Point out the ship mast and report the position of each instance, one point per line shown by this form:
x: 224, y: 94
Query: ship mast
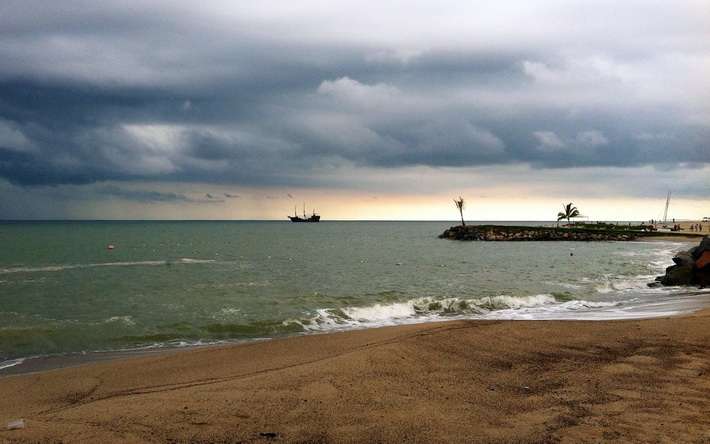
x: 665, y: 213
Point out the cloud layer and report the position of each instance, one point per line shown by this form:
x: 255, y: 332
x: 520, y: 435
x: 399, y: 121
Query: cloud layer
x: 280, y: 94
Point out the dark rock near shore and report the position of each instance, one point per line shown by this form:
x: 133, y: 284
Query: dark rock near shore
x: 702, y: 248
x: 691, y: 267
x: 703, y: 260
x: 684, y: 258
x: 500, y: 233
x: 678, y: 275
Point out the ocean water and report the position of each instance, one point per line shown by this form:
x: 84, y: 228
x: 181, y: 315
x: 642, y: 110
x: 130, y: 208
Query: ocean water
x: 176, y: 284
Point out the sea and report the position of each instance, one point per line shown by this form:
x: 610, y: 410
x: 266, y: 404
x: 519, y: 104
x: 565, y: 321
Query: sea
x: 78, y: 291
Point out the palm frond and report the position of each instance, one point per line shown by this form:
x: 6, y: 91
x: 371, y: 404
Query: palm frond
x: 568, y: 213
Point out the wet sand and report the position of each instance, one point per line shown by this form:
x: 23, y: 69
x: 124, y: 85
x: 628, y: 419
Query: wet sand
x: 461, y: 381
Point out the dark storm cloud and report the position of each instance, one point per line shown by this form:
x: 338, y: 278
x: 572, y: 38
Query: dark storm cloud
x: 145, y: 195
x: 270, y: 94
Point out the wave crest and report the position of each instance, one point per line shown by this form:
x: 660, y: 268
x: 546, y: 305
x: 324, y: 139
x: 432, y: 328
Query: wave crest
x: 417, y: 310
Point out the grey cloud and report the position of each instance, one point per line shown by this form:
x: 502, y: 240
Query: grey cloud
x: 585, y: 141
x: 164, y: 91
x: 150, y: 196
x: 141, y: 195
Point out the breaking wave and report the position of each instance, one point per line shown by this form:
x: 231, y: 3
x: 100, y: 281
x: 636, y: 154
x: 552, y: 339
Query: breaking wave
x: 419, y: 310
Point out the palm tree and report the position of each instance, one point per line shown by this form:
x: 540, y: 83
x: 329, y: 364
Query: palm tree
x: 569, y: 213
x: 460, y: 205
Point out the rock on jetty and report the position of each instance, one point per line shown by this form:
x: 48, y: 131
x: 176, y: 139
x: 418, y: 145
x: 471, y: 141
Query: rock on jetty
x: 512, y: 233
x: 691, y: 267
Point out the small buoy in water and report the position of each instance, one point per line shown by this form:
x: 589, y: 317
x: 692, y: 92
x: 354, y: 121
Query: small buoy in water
x: 110, y: 247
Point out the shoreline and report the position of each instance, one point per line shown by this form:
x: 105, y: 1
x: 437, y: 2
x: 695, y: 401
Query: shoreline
x: 38, y: 364
x: 677, y: 306
x: 640, y: 380
x: 676, y: 238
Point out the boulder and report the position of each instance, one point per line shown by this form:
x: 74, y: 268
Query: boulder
x: 703, y: 260
x: 678, y: 275
x: 702, y: 269
x: 684, y: 258
x: 703, y: 277
x: 691, y: 267
x: 703, y: 247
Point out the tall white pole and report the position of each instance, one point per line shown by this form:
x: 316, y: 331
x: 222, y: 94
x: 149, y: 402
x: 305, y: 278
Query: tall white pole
x: 665, y: 213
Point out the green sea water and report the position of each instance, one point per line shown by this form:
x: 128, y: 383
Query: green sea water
x: 163, y: 284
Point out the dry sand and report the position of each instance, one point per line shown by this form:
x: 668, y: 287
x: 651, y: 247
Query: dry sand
x: 641, y: 381
x: 688, y: 234
x: 685, y: 226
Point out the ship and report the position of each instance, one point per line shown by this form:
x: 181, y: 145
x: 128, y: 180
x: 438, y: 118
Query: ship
x: 312, y: 218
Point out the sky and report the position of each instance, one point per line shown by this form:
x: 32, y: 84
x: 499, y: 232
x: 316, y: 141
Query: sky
x: 359, y: 110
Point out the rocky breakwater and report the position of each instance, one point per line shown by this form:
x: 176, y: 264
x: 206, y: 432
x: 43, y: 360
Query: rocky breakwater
x: 690, y: 267
x: 505, y: 233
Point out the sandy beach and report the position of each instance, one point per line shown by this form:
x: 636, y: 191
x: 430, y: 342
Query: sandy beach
x: 689, y: 227
x: 460, y: 381
x: 685, y: 226
x: 684, y: 235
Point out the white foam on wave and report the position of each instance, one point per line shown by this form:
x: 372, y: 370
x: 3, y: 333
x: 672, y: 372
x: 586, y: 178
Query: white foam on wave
x: 11, y: 363
x: 187, y: 260
x: 503, y: 307
x: 227, y: 313
x: 379, y: 312
x: 611, y: 284
x: 356, y: 317
x: 127, y: 320
x: 35, y: 269
x: 568, y: 285
x: 419, y: 310
x: 504, y: 302
x: 49, y: 268
x: 565, y: 310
